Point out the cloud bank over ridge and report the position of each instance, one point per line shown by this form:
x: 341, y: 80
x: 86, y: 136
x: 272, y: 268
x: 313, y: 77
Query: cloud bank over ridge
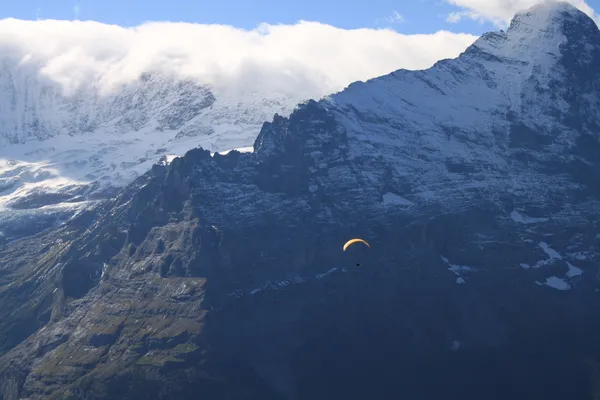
x: 307, y: 59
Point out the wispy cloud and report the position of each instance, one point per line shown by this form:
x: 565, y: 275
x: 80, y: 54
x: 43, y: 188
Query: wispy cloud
x: 457, y: 16
x: 77, y: 9
x: 38, y: 13
x: 394, y: 18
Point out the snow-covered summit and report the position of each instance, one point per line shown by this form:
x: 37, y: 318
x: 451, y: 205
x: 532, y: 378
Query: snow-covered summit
x: 538, y: 33
x: 548, y: 15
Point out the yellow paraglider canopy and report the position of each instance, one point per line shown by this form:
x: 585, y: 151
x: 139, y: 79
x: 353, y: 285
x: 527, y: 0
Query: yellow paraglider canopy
x: 356, y: 240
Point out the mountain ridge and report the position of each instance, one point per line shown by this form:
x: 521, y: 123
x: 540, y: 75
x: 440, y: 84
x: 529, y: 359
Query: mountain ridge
x: 224, y: 274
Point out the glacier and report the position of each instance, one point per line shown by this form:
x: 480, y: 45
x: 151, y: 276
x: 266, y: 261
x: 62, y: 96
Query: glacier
x: 61, y: 152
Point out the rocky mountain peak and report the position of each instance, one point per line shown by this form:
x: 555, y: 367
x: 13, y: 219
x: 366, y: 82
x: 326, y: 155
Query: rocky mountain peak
x: 543, y: 34
x: 551, y: 16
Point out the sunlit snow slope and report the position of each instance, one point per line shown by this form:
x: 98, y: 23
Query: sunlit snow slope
x: 60, y: 151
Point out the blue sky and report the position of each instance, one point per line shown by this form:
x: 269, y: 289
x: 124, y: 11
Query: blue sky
x: 418, y: 16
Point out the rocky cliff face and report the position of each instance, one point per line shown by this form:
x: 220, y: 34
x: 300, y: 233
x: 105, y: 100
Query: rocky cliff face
x: 223, y: 276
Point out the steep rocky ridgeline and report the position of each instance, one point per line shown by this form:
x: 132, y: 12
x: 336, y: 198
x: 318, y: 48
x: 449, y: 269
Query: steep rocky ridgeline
x: 223, y: 277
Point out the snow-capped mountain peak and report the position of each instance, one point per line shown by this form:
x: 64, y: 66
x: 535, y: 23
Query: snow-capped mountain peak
x: 550, y: 16
x: 539, y: 34
x: 514, y: 99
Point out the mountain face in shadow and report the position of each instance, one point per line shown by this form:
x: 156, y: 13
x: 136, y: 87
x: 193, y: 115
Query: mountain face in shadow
x: 223, y: 277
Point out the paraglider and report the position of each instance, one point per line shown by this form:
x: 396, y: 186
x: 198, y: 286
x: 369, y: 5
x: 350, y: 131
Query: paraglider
x: 353, y: 241
x: 356, y: 240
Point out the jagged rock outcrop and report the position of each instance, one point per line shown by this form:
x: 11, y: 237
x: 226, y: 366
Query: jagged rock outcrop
x: 222, y: 276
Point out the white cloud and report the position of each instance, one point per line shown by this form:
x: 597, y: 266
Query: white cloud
x: 307, y: 59
x: 500, y: 12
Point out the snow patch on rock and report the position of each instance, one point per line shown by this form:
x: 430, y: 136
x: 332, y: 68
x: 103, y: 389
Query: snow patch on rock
x: 555, y: 283
x: 458, y: 270
x: 525, y: 219
x: 553, y: 254
x: 393, y: 199
x: 573, y: 271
